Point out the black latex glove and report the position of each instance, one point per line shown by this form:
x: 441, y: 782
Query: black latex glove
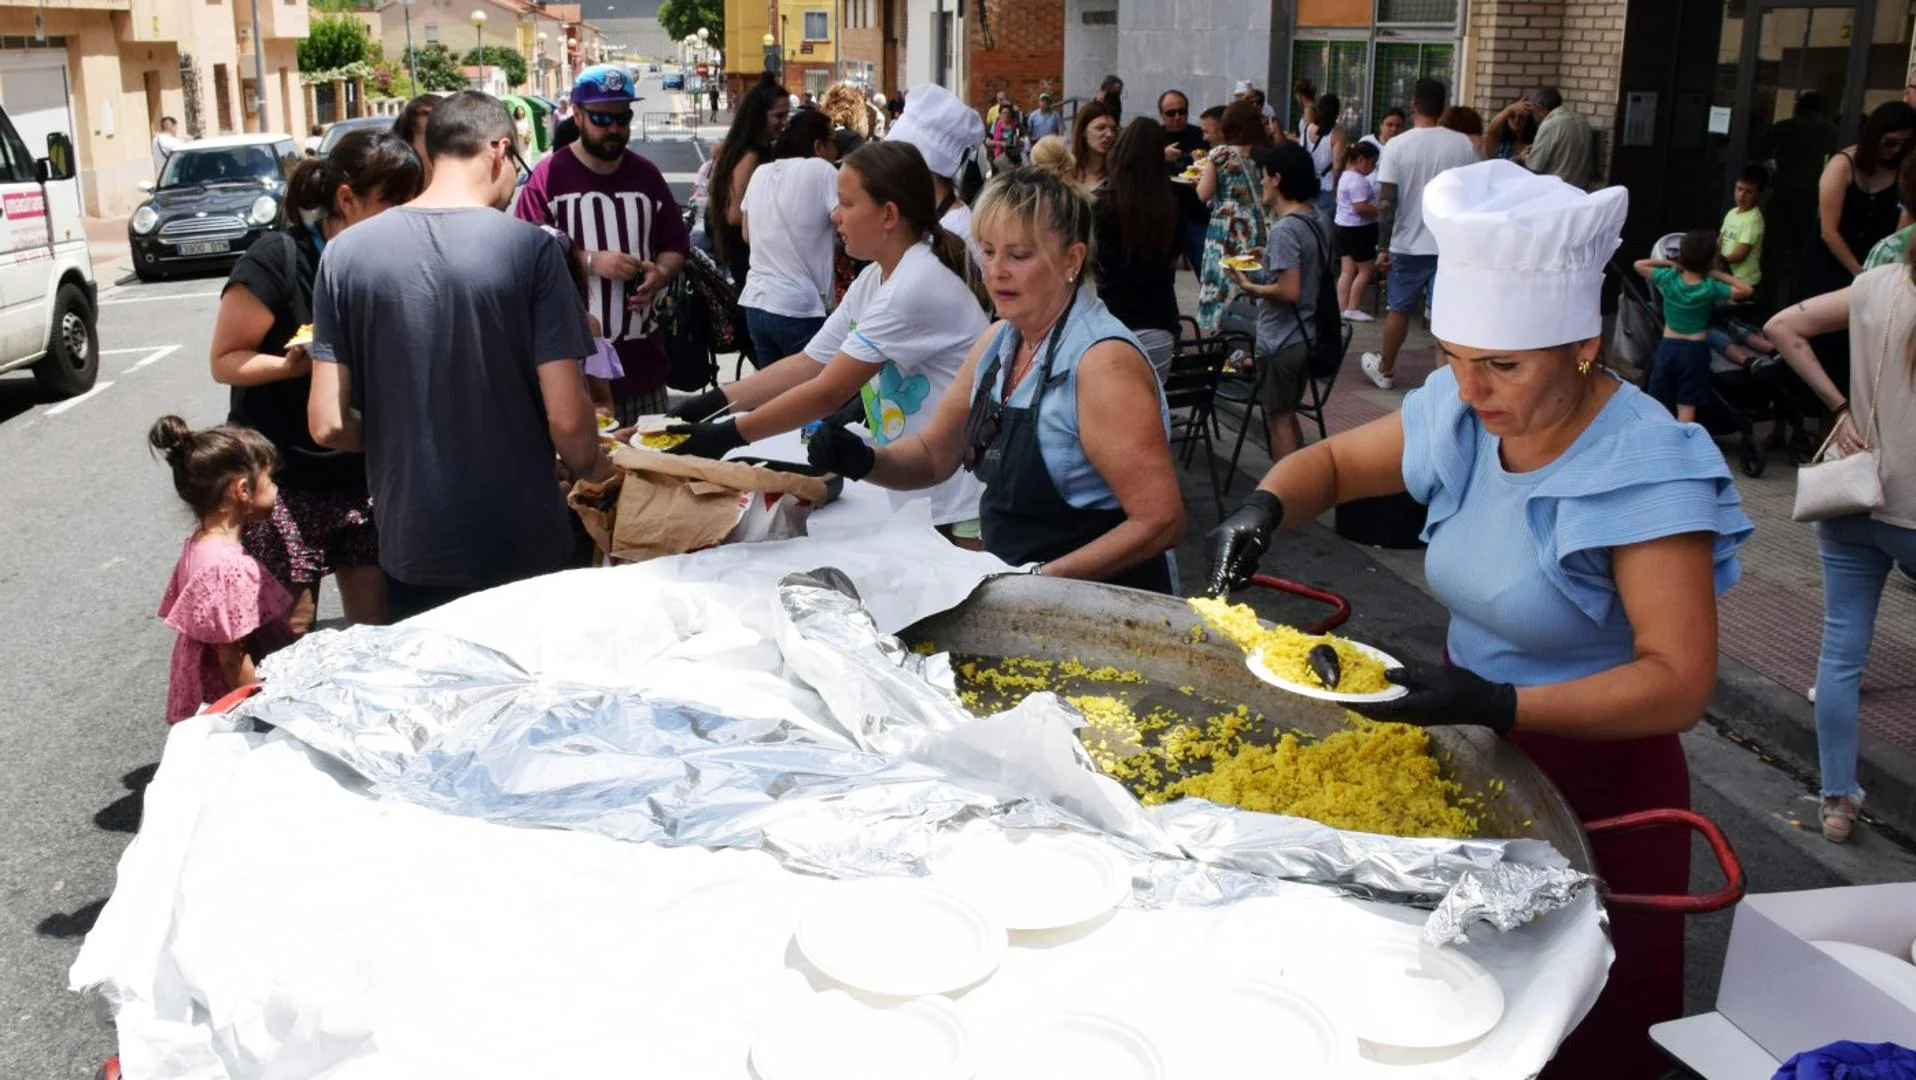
x: 837, y: 450
x: 1441, y: 694
x: 713, y: 440
x: 700, y: 408
x: 852, y: 412
x: 1240, y: 539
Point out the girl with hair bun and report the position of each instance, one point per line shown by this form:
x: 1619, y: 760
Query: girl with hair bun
x: 228, y: 610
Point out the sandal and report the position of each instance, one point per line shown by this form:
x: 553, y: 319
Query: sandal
x: 1839, y: 817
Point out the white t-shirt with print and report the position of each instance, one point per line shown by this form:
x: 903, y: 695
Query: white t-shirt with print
x: 789, y: 201
x: 958, y: 220
x: 916, y: 327
x: 1411, y: 161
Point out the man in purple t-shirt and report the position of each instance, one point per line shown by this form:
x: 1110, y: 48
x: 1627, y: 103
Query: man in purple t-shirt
x: 618, y: 211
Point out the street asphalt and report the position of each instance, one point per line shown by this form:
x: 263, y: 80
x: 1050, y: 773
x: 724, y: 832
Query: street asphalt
x: 92, y: 528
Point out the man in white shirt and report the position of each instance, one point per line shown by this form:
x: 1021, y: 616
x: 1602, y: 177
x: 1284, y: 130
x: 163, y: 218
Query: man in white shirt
x: 1405, y: 247
x: 167, y: 141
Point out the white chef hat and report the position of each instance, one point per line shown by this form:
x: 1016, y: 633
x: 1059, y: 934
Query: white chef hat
x: 1520, y: 256
x: 1243, y: 86
x: 943, y: 128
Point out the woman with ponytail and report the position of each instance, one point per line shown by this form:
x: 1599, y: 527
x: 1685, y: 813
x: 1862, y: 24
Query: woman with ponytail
x: 897, y: 339
x: 1056, y: 412
x: 322, y: 521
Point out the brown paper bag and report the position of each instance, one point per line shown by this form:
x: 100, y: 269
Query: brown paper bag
x: 666, y: 504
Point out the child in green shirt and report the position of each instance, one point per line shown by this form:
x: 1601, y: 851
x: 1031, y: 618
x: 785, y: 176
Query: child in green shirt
x: 1692, y: 287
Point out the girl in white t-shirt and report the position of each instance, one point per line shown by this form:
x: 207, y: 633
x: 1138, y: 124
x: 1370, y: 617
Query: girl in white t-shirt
x: 897, y: 339
x: 1356, y: 223
x: 787, y: 220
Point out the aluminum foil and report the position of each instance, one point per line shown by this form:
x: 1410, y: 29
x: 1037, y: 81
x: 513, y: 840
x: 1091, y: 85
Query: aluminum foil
x: 432, y: 719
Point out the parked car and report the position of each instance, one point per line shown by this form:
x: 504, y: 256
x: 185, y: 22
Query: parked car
x: 672, y: 81
x: 213, y: 199
x: 51, y: 302
x: 342, y: 128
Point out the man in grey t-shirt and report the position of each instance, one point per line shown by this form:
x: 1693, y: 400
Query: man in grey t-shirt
x: 448, y: 337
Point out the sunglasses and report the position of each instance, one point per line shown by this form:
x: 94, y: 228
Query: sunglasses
x: 518, y: 163
x: 982, y: 427
x: 1177, y: 112
x: 610, y: 119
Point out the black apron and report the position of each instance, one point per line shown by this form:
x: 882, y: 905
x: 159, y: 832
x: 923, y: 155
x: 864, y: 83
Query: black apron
x: 1022, y: 517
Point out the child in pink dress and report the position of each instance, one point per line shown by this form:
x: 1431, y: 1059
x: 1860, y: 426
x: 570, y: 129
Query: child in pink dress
x: 228, y: 610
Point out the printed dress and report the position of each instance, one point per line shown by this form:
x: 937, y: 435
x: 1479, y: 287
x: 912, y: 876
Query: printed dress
x: 1237, y: 228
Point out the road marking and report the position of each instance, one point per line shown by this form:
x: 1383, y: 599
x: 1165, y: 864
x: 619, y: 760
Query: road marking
x: 69, y: 403
x: 172, y: 296
x: 160, y: 353
x: 119, y: 352
x: 680, y: 177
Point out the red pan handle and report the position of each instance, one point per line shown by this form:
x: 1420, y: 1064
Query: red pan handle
x: 231, y: 701
x: 1735, y: 883
x: 1341, y: 608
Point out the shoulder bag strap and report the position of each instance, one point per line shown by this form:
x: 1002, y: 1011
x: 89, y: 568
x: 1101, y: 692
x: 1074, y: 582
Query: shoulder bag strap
x: 1882, y: 354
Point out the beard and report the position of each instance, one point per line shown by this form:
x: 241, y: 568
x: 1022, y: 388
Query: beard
x: 606, y: 149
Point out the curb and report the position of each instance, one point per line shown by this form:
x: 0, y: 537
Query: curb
x: 1756, y: 709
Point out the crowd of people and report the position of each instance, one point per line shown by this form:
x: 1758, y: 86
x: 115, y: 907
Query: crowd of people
x: 440, y: 332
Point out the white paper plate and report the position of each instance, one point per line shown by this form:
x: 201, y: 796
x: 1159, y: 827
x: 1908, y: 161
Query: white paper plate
x: 1884, y: 971
x: 1255, y: 662
x: 1394, y: 990
x: 1059, y: 1045
x: 1035, y: 880
x: 1296, y: 1038
x: 834, y: 1036
x: 900, y: 937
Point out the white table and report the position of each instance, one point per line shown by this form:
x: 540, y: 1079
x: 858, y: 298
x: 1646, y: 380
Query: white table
x: 1713, y: 1048
x: 859, y: 508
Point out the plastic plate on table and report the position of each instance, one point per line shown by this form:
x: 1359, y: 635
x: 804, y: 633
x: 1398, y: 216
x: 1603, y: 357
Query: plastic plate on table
x: 1884, y: 971
x: 899, y: 937
x: 1035, y: 880
x: 1255, y: 662
x: 1071, y: 1044
x: 834, y: 1036
x: 1394, y: 990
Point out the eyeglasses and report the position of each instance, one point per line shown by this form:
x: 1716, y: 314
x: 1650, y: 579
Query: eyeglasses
x: 518, y: 162
x: 610, y: 119
x: 1177, y: 112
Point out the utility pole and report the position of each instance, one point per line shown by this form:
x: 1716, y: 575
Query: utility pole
x: 412, y: 69
x: 259, y: 70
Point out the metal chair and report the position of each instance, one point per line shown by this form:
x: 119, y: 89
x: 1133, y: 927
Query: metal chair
x: 1243, y: 393
x: 1190, y: 392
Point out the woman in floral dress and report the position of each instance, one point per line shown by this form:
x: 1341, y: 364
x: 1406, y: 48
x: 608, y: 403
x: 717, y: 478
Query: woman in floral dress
x: 1231, y: 185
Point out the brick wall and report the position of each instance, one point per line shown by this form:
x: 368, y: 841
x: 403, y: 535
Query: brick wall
x: 1517, y: 46
x: 1022, y: 54
x: 864, y: 45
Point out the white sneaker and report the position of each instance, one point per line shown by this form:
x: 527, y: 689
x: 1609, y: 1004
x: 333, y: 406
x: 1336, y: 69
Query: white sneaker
x: 1354, y: 315
x: 1374, y: 369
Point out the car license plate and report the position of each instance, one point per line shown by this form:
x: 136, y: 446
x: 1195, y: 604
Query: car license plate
x: 211, y: 247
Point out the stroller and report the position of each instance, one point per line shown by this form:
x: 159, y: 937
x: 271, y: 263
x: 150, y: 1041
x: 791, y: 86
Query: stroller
x: 1742, y: 395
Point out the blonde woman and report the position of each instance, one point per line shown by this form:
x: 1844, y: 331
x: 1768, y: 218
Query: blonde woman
x: 1053, y: 155
x: 1055, y: 411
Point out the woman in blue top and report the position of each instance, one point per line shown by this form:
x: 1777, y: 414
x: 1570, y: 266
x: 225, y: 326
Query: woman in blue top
x: 1056, y: 410
x: 1579, y: 536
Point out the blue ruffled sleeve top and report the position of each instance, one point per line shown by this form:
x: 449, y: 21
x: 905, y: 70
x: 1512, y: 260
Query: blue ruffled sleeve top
x: 1522, y: 560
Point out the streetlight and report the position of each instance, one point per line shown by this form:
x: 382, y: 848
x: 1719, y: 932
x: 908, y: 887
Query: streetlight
x: 479, y: 41
x: 412, y: 70
x: 771, y: 53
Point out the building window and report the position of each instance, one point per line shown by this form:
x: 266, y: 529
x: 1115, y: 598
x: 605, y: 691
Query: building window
x: 818, y: 25
x: 223, y: 100
x: 817, y: 81
x: 1337, y: 67
x: 1418, y: 12
x: 1401, y: 63
x: 432, y: 33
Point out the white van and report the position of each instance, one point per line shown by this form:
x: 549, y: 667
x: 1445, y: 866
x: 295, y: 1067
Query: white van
x: 49, y: 300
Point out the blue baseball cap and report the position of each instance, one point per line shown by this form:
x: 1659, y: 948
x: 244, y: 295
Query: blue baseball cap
x: 604, y: 84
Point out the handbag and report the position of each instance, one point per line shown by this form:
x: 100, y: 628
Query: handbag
x: 1850, y: 483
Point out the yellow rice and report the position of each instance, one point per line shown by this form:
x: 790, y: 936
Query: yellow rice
x: 659, y: 440
x: 1285, y: 649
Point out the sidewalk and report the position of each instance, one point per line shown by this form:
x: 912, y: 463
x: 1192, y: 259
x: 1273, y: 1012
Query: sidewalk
x: 1771, y: 622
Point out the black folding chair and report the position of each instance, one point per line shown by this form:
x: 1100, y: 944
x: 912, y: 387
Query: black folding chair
x: 1190, y: 392
x: 1318, y: 391
x: 1242, y: 392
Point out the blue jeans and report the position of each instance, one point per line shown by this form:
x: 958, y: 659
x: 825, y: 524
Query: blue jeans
x: 1411, y: 279
x: 1857, y: 553
x: 775, y: 337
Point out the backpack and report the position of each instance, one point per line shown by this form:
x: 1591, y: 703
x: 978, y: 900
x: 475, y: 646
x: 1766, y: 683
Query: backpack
x: 1325, y: 334
x: 700, y: 318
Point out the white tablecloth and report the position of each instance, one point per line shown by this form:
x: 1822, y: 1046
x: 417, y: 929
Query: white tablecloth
x: 859, y: 508
x: 273, y: 920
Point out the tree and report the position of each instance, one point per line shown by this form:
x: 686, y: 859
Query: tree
x: 506, y: 60
x: 437, y: 69
x: 333, y: 42
x: 684, y: 18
